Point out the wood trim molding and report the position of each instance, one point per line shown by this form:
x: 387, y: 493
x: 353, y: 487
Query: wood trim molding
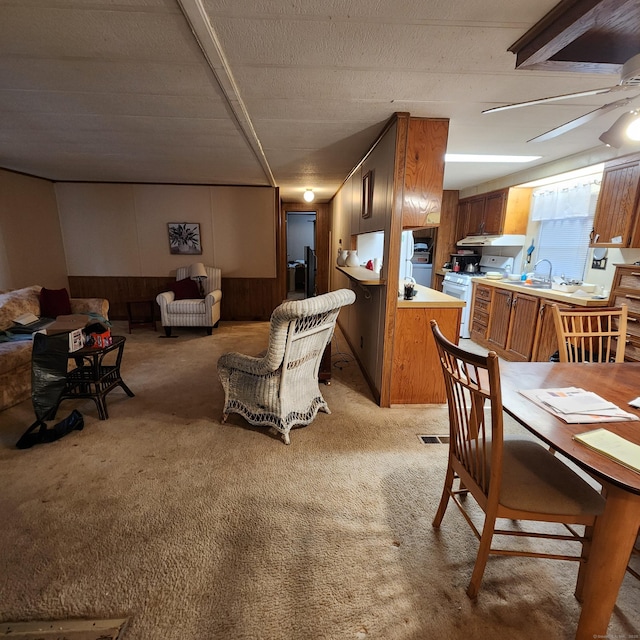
x: 392, y: 251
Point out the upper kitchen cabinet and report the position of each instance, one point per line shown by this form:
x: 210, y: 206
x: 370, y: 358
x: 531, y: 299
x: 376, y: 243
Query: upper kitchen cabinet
x: 616, y: 219
x: 505, y: 211
x: 423, y: 152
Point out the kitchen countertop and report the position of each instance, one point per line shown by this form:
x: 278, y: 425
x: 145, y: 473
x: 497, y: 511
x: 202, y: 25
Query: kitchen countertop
x: 362, y: 275
x: 550, y: 294
x: 427, y: 297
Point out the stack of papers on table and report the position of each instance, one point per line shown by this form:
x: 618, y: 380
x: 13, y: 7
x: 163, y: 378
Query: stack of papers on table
x: 613, y: 446
x: 574, y: 405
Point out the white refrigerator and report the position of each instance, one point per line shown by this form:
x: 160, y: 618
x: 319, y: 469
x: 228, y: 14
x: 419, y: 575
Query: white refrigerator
x: 406, y: 253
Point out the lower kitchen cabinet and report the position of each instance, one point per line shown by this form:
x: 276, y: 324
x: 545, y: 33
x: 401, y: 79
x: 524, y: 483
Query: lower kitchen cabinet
x: 522, y: 326
x: 416, y: 369
x: 512, y: 328
x: 546, y: 342
x: 519, y: 326
x: 499, y: 319
x: 480, y: 312
x: 625, y: 289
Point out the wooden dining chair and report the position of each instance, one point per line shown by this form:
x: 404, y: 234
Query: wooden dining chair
x: 591, y: 334
x: 512, y: 478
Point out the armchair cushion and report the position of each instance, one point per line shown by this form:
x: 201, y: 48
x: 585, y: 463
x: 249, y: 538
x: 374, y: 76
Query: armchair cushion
x: 186, y: 289
x: 54, y: 303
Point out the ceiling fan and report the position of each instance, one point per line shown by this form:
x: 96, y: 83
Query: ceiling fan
x: 629, y: 81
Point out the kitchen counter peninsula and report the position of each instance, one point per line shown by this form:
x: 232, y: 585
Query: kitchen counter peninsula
x: 416, y: 376
x: 427, y: 297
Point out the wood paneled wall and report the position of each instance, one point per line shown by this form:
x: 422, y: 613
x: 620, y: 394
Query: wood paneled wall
x: 242, y: 298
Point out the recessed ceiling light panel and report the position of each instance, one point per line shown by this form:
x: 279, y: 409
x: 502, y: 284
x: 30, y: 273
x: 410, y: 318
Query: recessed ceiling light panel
x: 479, y: 157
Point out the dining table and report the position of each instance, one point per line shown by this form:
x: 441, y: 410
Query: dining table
x: 616, y: 530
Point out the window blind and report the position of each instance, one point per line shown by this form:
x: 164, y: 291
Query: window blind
x: 563, y: 236
x: 565, y: 242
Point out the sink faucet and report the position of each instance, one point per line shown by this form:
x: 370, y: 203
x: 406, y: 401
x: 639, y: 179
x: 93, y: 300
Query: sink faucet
x: 548, y: 279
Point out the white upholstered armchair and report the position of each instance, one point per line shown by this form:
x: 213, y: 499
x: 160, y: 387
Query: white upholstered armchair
x: 280, y: 389
x: 178, y: 311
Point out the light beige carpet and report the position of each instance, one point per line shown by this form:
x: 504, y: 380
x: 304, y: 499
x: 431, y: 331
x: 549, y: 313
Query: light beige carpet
x: 197, y: 530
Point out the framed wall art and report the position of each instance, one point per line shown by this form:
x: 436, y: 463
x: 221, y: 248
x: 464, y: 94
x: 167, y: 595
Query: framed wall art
x: 367, y: 194
x: 184, y: 238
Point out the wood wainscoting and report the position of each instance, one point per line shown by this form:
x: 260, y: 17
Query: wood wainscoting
x: 242, y: 298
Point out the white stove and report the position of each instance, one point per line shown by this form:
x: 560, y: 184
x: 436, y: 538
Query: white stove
x: 458, y: 284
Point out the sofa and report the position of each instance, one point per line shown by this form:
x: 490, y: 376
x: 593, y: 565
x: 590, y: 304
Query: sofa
x: 15, y: 356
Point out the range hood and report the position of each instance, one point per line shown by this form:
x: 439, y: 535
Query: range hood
x: 492, y: 241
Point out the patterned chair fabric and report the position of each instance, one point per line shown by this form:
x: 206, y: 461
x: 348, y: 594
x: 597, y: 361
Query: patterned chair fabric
x: 280, y: 389
x: 192, y: 313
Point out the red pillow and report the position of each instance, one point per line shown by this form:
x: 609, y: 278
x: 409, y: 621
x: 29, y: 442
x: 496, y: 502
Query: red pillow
x: 186, y: 289
x: 54, y: 303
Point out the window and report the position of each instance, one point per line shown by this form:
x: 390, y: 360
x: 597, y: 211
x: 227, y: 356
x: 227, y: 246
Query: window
x: 565, y: 243
x: 565, y: 212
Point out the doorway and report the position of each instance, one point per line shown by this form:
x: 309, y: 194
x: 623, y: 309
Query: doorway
x: 301, y: 254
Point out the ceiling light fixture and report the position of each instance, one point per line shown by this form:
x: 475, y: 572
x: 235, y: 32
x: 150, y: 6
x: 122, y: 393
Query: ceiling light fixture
x: 633, y: 130
x: 308, y: 195
x: 480, y: 157
x: 625, y: 128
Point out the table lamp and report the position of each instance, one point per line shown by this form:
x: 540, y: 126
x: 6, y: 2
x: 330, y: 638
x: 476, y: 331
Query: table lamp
x: 198, y: 272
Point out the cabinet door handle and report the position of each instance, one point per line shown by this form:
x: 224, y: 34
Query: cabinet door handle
x: 633, y: 273
x: 628, y: 295
x: 630, y: 319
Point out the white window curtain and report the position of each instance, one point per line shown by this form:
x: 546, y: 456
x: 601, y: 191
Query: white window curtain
x: 565, y: 200
x: 565, y: 212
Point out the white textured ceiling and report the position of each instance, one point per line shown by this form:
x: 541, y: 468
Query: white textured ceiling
x: 261, y: 92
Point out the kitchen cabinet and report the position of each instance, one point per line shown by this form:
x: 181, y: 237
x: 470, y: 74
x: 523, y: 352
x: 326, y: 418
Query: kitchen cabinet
x: 500, y: 314
x: 625, y: 289
x: 617, y: 213
x: 480, y: 312
x: 512, y: 325
x: 517, y: 322
x: 462, y: 219
x: 522, y: 326
x: 505, y: 211
x: 546, y: 341
x: 423, y: 172
x: 417, y: 374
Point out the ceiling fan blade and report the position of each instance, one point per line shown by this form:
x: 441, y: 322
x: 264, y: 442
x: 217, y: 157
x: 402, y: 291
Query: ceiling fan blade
x: 587, y: 117
x: 565, y: 96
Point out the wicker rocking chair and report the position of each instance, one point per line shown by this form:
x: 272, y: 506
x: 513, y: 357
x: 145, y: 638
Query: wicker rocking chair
x: 280, y: 389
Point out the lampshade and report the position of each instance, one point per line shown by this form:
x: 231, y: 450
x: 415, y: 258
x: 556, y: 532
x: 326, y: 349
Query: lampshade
x: 197, y: 271
x: 308, y: 195
x: 618, y: 134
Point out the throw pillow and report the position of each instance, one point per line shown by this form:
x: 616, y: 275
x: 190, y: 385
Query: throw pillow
x: 186, y: 289
x: 54, y: 303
